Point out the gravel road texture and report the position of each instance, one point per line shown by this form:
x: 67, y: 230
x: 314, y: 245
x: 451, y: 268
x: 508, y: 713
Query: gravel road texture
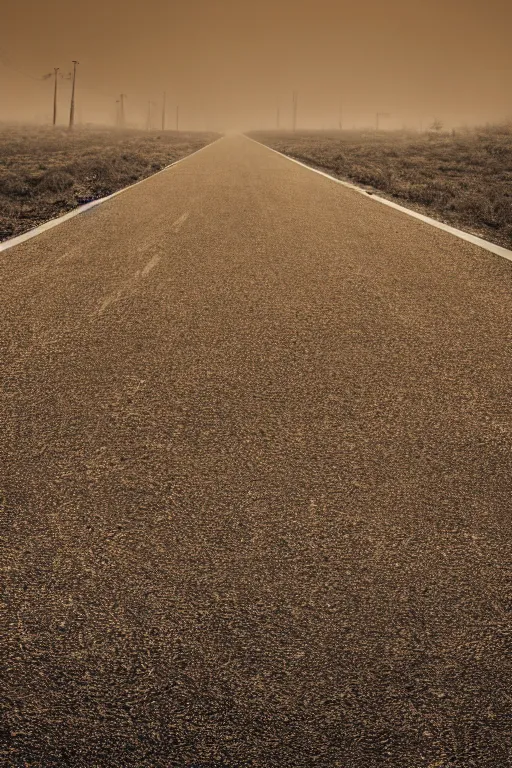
x: 256, y: 480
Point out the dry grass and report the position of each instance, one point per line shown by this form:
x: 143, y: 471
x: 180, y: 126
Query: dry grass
x: 463, y: 178
x: 46, y: 172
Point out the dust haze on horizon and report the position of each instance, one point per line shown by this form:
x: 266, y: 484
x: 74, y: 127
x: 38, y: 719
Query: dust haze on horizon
x: 231, y: 65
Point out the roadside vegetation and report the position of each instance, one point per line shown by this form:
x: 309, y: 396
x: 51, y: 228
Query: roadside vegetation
x: 462, y: 177
x: 45, y: 172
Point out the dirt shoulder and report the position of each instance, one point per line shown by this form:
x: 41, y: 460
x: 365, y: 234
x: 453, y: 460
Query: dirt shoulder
x: 46, y: 172
x: 463, y: 178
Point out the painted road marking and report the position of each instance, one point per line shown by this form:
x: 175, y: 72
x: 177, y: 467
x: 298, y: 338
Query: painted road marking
x: 180, y: 222
x: 175, y: 227
x: 152, y: 263
x: 149, y: 266
x: 112, y: 299
x: 485, y: 244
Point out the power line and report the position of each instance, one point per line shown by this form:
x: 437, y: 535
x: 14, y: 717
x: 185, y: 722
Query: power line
x: 5, y: 60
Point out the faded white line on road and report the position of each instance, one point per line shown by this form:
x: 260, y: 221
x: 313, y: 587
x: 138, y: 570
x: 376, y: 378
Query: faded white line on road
x: 108, y: 301
x: 140, y: 273
x: 179, y: 222
x: 485, y: 244
x: 152, y: 263
x: 149, y: 266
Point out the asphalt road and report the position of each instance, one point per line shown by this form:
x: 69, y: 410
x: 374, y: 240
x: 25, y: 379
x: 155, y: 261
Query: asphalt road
x: 256, y: 437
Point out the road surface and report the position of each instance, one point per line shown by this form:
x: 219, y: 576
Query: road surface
x: 256, y: 480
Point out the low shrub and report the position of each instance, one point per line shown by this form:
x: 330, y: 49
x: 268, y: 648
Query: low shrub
x: 55, y: 180
x: 14, y: 186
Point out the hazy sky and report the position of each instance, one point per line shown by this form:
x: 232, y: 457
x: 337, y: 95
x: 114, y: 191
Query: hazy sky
x: 231, y: 64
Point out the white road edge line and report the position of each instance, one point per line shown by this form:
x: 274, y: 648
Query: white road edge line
x: 81, y: 209
x: 485, y: 244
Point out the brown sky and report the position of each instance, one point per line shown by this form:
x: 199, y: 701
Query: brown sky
x: 231, y: 64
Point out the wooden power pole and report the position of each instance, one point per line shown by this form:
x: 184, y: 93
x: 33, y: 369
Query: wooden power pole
x: 72, y: 108
x: 122, y: 97
x: 56, y: 70
x: 378, y: 115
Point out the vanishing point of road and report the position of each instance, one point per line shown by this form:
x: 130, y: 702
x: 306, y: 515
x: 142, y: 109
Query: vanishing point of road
x: 256, y: 475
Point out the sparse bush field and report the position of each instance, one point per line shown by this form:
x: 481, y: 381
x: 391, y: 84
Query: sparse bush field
x: 463, y: 178
x: 46, y: 172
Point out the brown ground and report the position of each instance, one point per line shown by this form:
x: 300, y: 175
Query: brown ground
x: 46, y: 172
x: 463, y: 178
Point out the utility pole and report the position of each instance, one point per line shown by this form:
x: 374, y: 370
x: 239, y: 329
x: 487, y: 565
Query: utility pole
x: 122, y: 97
x: 163, y: 112
x: 295, y: 101
x: 378, y: 115
x: 117, y: 113
x: 72, y: 108
x: 56, y: 70
x: 177, y: 119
